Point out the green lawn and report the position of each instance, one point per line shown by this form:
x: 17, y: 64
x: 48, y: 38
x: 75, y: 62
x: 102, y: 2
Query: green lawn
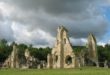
x: 82, y: 71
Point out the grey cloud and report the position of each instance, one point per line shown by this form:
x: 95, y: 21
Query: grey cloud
x: 39, y: 42
x: 6, y: 32
x: 77, y: 29
x: 80, y: 17
x: 78, y: 42
x: 1, y: 16
x: 55, y: 6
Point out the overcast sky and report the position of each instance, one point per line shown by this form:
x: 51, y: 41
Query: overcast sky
x: 36, y: 21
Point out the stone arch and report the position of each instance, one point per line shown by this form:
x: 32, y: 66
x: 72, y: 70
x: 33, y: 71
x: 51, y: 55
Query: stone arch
x: 68, y: 60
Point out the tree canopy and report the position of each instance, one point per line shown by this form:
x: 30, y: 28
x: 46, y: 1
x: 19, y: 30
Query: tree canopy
x: 41, y: 53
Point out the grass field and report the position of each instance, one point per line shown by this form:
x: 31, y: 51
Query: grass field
x: 82, y: 71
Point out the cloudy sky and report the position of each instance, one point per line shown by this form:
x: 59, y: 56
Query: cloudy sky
x: 36, y: 21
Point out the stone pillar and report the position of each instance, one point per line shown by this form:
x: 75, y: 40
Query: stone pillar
x: 27, y: 56
x: 105, y: 64
x: 92, y: 49
x: 49, y: 61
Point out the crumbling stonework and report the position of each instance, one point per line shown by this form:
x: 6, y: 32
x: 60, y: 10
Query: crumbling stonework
x: 12, y: 61
x: 92, y: 49
x: 28, y: 57
x: 31, y: 61
x: 62, y: 55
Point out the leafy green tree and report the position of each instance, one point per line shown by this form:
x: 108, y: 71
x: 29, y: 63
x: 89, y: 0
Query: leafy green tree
x: 40, y: 53
x: 5, y: 50
x: 21, y: 50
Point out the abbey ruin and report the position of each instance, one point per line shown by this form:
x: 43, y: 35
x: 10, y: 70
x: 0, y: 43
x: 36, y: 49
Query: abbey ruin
x: 62, y: 55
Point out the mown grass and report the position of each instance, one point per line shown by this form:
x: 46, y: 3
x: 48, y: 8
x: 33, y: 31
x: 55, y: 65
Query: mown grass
x: 81, y: 71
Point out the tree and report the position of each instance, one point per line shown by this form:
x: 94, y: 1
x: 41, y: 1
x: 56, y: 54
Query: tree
x: 104, y: 54
x: 21, y: 50
x: 5, y: 50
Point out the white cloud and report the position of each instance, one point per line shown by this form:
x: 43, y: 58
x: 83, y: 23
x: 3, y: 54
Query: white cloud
x: 20, y: 33
x: 81, y: 42
x: 109, y: 41
x: 36, y: 21
x: 6, y: 9
x: 36, y: 37
x: 101, y: 44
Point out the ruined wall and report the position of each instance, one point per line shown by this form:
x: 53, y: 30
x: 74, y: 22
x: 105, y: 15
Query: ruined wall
x: 12, y: 61
x: 92, y: 49
x: 62, y: 53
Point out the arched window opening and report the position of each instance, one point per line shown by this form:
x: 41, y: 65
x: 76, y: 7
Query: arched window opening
x: 68, y: 60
